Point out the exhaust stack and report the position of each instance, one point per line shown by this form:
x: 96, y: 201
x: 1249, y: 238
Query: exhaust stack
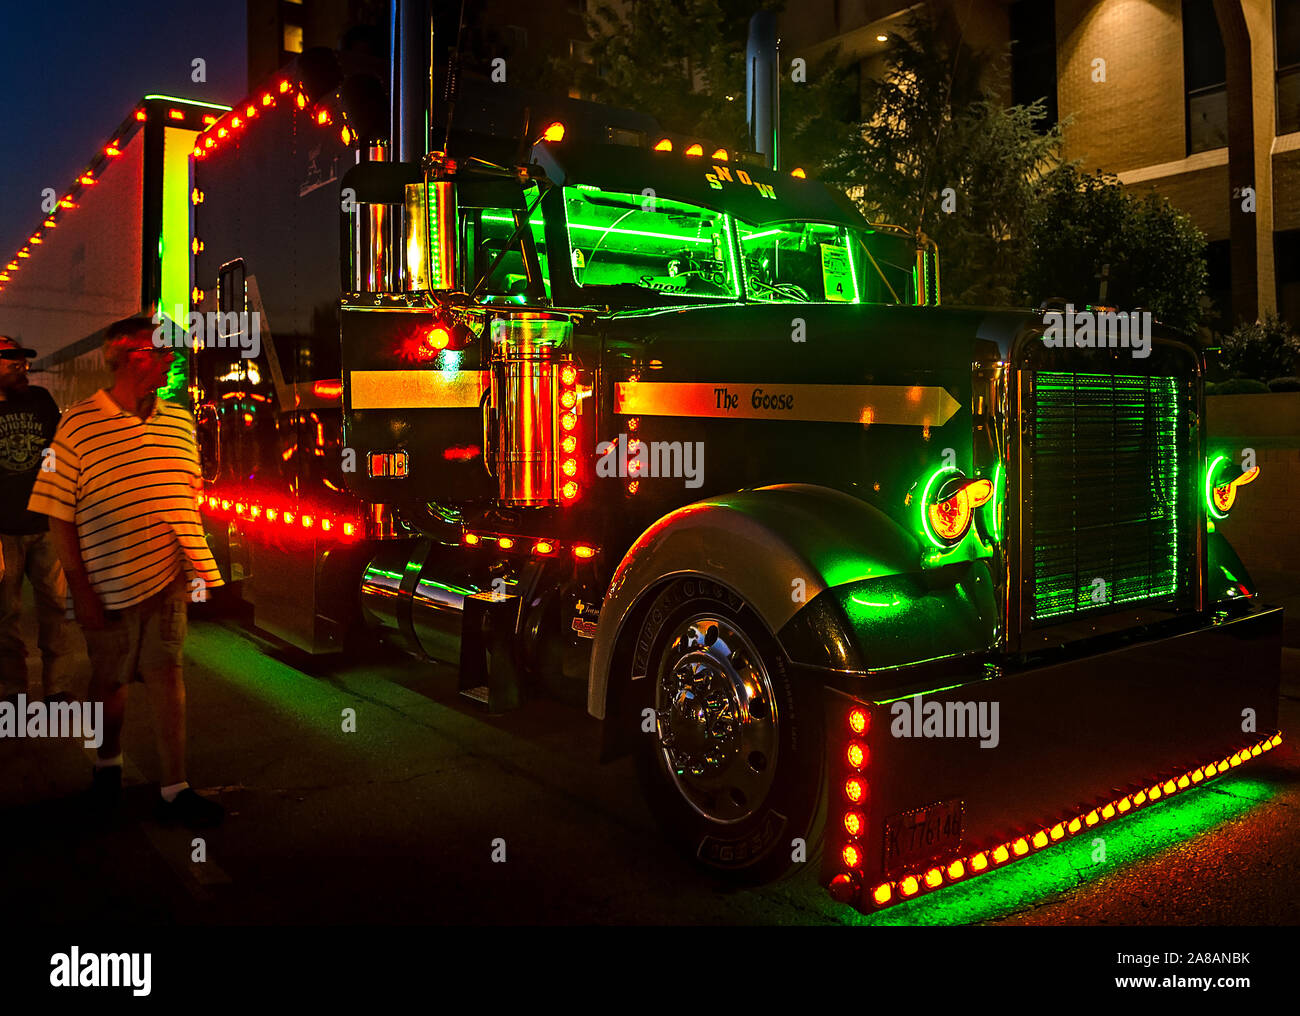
x: 762, y: 94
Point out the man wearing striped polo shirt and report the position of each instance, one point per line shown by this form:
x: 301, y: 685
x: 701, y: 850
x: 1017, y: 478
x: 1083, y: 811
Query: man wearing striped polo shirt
x: 123, y: 506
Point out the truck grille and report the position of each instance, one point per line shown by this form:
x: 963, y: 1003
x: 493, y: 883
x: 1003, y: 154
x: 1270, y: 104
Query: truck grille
x: 1111, y: 515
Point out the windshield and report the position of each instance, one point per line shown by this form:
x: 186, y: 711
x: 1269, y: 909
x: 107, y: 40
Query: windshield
x: 795, y: 262
x: 656, y: 243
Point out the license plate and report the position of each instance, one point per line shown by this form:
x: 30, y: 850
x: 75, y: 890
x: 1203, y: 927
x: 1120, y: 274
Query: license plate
x: 923, y: 834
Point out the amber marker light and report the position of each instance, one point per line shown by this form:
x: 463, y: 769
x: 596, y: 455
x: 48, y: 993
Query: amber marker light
x: 568, y: 375
x: 720, y: 155
x: 1021, y: 847
x: 554, y: 132
x: 956, y: 870
x: 933, y: 878
x: 979, y: 862
x: 1040, y: 839
x: 909, y: 886
x: 695, y: 150
x: 798, y: 173
x: 663, y: 145
x: 1108, y: 812
x: 438, y: 337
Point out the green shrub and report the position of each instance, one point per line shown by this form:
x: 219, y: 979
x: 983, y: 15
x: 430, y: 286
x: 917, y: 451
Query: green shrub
x: 1261, y: 350
x: 1237, y: 386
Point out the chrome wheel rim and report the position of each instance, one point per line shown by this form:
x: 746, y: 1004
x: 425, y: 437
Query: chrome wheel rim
x: 717, y: 720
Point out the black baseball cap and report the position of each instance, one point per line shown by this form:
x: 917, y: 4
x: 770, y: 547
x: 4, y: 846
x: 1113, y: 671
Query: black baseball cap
x: 10, y: 350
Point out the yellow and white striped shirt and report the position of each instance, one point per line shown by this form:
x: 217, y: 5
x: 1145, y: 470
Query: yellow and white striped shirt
x: 131, y: 487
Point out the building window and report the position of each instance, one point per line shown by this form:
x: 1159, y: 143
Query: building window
x: 293, y: 38
x: 1287, y: 36
x: 1033, y: 57
x: 1205, y: 78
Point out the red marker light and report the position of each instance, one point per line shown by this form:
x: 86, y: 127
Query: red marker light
x: 584, y: 551
x: 176, y: 114
x: 327, y: 389
x: 141, y: 115
x: 858, y: 721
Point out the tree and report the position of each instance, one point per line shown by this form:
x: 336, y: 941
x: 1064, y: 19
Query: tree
x: 683, y: 61
x: 1152, y: 254
x: 942, y: 156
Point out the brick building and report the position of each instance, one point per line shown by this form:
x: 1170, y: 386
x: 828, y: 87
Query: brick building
x: 1196, y: 99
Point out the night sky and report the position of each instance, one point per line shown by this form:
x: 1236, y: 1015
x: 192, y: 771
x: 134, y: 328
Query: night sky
x: 70, y: 72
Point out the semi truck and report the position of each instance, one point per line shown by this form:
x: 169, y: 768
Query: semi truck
x: 589, y: 409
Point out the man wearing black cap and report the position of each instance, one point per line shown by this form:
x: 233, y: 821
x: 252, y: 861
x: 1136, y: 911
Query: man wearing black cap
x: 28, y: 417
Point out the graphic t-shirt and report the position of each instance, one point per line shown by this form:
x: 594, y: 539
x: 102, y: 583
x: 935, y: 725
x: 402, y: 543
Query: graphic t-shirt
x: 27, y: 423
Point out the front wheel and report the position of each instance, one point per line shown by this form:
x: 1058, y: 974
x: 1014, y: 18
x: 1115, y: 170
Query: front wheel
x: 733, y: 768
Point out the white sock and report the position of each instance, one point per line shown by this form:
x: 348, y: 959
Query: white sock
x: 169, y: 792
x: 104, y: 763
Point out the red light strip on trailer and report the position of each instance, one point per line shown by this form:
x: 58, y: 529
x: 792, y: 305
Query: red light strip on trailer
x: 296, y: 517
x: 538, y: 546
x: 244, y: 113
x: 958, y: 869
x: 87, y: 178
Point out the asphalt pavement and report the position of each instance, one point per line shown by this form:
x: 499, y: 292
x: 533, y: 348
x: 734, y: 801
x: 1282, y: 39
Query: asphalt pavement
x: 431, y: 811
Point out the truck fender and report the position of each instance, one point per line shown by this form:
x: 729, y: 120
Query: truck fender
x: 779, y: 548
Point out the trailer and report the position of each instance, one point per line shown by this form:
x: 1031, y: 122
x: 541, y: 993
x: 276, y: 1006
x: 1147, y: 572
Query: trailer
x: 114, y: 244
x: 590, y: 410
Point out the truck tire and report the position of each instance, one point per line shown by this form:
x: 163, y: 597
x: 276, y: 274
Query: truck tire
x: 733, y: 765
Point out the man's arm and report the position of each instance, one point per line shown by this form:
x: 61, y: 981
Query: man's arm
x: 90, y: 610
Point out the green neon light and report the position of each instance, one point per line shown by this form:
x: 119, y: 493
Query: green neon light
x: 190, y: 102
x: 873, y: 603
x: 733, y: 251
x: 1209, y: 488
x: 853, y: 268
x: 174, y: 247
x: 1066, y: 866
x: 999, y: 490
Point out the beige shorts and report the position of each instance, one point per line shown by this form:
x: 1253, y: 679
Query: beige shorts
x: 141, y: 642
